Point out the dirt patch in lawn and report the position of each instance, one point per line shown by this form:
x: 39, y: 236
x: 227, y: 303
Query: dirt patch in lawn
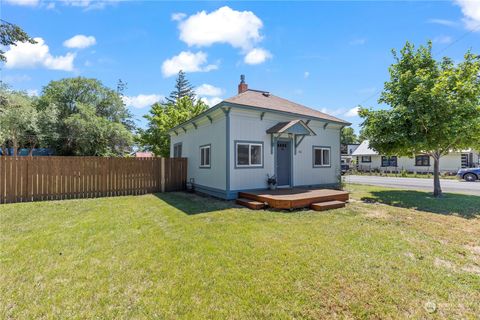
x: 444, y: 264
x: 470, y: 268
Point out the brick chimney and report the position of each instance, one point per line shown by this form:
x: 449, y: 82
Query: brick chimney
x: 242, y: 87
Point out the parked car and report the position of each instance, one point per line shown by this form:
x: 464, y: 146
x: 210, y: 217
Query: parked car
x: 344, y: 168
x: 469, y: 174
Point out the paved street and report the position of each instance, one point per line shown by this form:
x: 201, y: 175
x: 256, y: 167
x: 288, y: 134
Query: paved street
x: 453, y: 186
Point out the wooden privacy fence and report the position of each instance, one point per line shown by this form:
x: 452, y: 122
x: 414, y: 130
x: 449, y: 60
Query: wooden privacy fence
x: 54, y: 178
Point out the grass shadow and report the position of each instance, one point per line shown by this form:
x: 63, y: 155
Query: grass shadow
x: 191, y: 203
x: 465, y: 206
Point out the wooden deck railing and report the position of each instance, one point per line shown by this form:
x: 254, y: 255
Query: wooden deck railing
x: 25, y: 179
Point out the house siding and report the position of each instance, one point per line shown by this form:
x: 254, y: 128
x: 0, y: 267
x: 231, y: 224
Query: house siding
x: 448, y: 163
x: 246, y: 125
x: 212, y: 179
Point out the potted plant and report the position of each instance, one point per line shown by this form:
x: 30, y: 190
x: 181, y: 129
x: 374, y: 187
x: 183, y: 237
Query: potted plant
x: 272, y: 182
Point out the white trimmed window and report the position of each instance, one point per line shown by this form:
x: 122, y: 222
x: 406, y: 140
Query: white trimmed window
x: 249, y: 154
x: 321, y: 156
x: 205, y: 156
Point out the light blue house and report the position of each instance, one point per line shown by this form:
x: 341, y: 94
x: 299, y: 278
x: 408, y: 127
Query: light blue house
x: 234, y: 145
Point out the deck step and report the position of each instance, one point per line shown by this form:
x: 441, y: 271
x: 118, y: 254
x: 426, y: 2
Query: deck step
x: 248, y: 196
x: 322, y: 206
x: 252, y: 204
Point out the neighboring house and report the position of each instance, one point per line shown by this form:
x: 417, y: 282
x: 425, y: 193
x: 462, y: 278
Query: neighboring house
x: 234, y: 145
x: 347, y: 151
x: 370, y: 160
x: 143, y: 154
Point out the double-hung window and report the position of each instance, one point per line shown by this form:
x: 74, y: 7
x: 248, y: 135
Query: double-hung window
x: 177, y: 150
x: 249, y: 154
x: 321, y: 156
x: 389, y: 161
x: 205, y: 156
x: 366, y: 159
x: 422, y: 161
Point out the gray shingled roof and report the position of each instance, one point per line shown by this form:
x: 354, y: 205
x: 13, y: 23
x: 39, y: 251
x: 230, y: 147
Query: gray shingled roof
x: 261, y: 99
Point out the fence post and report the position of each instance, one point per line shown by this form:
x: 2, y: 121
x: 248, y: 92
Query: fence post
x: 162, y: 175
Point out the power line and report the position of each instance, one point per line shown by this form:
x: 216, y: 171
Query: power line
x: 477, y: 28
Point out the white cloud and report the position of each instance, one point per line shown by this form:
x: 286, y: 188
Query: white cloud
x: 208, y: 90
x: 352, y: 112
x: 358, y: 42
x: 89, y: 4
x: 80, y: 41
x: 442, y: 39
x: 443, y: 22
x: 333, y: 112
x: 306, y: 74
x: 188, y: 62
x: 29, y: 3
x: 178, y: 16
x: 240, y: 29
x: 211, y: 101
x: 32, y: 92
x: 209, y: 94
x: 28, y: 55
x: 257, y: 56
x: 86, y: 4
x: 142, y: 100
x: 471, y: 13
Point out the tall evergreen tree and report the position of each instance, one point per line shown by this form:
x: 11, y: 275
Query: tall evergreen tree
x: 183, y: 88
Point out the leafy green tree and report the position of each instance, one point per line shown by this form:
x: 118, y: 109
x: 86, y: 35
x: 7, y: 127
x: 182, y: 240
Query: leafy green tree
x: 165, y: 116
x: 183, y: 88
x: 10, y: 34
x: 94, y: 135
x: 22, y: 125
x: 361, y: 136
x: 18, y: 119
x: 72, y: 96
x: 47, y: 128
x: 434, y: 107
x: 348, y: 136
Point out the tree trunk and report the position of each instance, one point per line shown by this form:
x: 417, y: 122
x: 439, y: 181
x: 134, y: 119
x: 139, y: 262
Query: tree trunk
x: 33, y: 144
x: 15, y: 147
x: 437, y: 189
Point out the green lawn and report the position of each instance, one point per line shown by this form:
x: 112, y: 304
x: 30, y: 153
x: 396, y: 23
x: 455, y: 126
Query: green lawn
x: 182, y: 256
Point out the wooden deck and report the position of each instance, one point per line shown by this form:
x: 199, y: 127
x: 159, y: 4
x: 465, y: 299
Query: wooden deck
x: 294, y: 198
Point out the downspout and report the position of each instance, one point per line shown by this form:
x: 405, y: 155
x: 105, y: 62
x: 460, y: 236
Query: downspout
x: 227, y: 145
x: 340, y: 151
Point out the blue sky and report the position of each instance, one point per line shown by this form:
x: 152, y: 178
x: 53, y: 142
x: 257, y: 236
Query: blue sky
x: 331, y: 56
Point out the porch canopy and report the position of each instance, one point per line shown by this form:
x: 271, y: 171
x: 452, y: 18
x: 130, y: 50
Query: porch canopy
x: 296, y: 129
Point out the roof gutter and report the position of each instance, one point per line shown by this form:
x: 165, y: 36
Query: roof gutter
x: 203, y: 114
x: 247, y: 107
